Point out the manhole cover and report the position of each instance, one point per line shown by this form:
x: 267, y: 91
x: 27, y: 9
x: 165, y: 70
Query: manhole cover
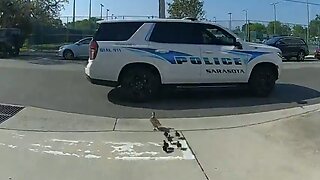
x: 7, y: 111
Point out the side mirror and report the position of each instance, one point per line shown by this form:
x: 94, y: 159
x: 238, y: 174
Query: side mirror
x: 238, y: 45
x: 78, y: 44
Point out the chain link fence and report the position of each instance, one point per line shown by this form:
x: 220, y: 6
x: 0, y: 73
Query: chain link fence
x: 47, y: 38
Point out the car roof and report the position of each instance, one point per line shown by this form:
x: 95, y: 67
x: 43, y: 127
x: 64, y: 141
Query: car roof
x: 288, y: 37
x: 164, y: 20
x: 155, y: 21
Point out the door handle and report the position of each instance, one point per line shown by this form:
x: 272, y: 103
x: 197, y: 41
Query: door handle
x: 208, y: 52
x: 162, y: 51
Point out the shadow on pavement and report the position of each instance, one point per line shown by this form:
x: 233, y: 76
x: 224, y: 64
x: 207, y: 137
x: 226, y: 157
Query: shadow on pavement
x: 55, y: 62
x: 184, y: 99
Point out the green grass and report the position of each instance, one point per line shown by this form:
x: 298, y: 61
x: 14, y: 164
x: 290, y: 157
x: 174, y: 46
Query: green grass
x: 42, y: 47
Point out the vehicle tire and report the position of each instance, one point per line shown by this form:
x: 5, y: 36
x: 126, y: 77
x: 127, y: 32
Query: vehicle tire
x: 139, y: 84
x: 16, y: 52
x: 3, y: 51
x: 262, y: 81
x: 68, y: 55
x: 301, y: 56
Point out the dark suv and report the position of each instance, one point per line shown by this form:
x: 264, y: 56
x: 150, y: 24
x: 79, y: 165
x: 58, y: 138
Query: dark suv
x: 11, y: 40
x: 290, y: 47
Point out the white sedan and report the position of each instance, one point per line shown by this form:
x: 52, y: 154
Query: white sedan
x: 79, y: 49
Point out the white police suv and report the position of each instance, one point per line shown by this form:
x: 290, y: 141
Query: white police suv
x: 142, y: 56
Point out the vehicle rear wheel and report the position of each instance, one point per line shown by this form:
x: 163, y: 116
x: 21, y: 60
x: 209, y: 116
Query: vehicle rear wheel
x: 3, y: 51
x: 300, y: 56
x: 139, y: 84
x: 262, y: 81
x: 68, y: 55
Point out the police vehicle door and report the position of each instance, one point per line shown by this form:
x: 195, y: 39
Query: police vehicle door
x: 175, y: 43
x: 223, y: 61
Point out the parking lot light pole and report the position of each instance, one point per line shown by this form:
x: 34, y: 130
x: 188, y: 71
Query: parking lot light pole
x: 247, y: 25
x: 90, y: 3
x: 230, y: 21
x: 74, y: 13
x: 308, y: 28
x: 107, y: 17
x: 162, y: 9
x: 275, y: 16
x: 101, y: 7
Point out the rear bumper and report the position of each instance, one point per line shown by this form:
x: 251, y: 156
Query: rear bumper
x: 103, y: 82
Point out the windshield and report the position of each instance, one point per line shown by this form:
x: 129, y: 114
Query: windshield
x: 272, y: 41
x: 159, y: 89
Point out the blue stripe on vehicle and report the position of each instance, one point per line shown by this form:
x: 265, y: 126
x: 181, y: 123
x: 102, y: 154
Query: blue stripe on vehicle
x: 252, y: 54
x: 169, y: 56
x: 144, y: 54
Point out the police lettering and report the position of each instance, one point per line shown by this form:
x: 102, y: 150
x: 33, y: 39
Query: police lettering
x: 208, y: 61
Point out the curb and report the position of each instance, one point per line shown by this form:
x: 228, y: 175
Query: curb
x: 42, y: 120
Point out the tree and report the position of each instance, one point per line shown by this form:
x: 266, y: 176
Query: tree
x: 84, y: 24
x: 186, y: 8
x: 258, y: 28
x: 24, y: 14
x: 281, y: 29
x: 299, y: 31
x: 315, y: 27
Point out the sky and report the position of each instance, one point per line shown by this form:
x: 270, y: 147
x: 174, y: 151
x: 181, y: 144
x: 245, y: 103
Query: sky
x: 257, y: 9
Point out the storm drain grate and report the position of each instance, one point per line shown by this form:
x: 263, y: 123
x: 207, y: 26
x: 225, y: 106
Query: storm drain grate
x: 7, y: 111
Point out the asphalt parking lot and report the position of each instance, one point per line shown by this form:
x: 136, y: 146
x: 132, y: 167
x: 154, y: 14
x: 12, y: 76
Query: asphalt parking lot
x: 267, y: 145
x: 51, y: 83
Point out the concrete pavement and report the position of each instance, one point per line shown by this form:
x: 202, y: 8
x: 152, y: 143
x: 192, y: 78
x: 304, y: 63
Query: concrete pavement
x: 289, y: 149
x: 41, y: 144
x: 286, y: 148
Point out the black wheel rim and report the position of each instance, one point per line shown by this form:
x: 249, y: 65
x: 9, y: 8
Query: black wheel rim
x: 68, y: 55
x: 140, y: 85
x: 265, y: 82
x: 300, y: 56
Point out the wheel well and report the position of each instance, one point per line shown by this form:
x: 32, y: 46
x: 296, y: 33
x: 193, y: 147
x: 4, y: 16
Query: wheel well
x: 269, y: 65
x: 68, y: 50
x: 139, y: 65
x: 304, y: 51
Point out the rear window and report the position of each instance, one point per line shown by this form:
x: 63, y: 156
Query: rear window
x: 117, y: 31
x: 299, y: 41
x: 178, y: 33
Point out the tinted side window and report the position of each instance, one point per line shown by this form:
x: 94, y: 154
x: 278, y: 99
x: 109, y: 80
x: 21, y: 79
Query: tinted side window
x: 285, y: 41
x: 117, y: 31
x: 86, y: 41
x: 178, y: 33
x: 300, y: 41
x: 216, y: 36
x: 295, y: 41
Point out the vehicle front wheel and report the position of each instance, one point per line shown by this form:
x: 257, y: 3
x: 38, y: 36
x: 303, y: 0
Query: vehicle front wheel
x: 3, y: 51
x: 301, y: 56
x: 139, y: 84
x: 68, y: 55
x: 262, y: 81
